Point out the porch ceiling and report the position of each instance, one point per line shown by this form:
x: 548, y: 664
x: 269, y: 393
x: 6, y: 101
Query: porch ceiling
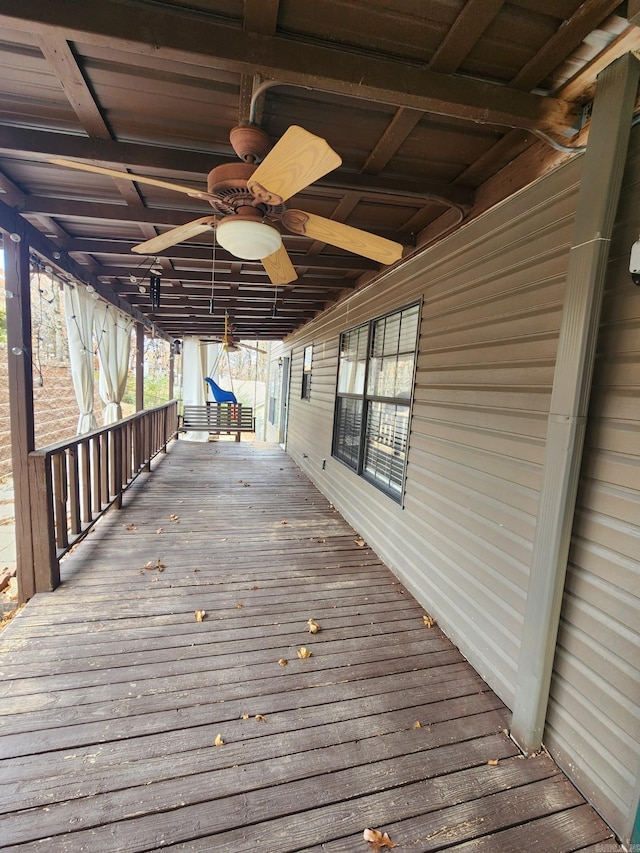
x: 432, y: 107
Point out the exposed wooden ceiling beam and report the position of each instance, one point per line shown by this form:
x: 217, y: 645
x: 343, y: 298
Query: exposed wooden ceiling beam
x: 62, y: 61
x: 198, y: 164
x: 70, y: 209
x: 60, y: 58
x: 11, y: 222
x: 568, y: 36
x: 252, y: 278
x: 261, y: 16
x: 189, y: 251
x: 472, y: 21
x: 397, y: 131
x: 168, y: 31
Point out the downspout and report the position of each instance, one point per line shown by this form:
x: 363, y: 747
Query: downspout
x: 597, y: 204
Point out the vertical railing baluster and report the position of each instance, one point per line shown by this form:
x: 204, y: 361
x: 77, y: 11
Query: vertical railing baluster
x: 60, y: 499
x: 74, y: 490
x: 85, y: 482
x: 96, y: 476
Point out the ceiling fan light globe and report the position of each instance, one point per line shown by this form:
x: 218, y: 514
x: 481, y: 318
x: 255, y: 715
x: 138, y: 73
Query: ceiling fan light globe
x: 250, y: 240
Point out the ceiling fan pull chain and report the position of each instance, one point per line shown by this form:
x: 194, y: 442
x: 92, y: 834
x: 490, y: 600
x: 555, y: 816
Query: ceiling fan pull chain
x: 213, y: 276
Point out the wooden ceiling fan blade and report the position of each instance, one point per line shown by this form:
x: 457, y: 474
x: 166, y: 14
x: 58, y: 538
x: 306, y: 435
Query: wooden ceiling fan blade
x: 344, y: 236
x: 254, y: 349
x: 279, y: 267
x: 298, y: 159
x: 175, y: 235
x: 128, y: 176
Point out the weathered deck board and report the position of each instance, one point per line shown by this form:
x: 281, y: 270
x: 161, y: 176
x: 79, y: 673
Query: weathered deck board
x: 112, y: 694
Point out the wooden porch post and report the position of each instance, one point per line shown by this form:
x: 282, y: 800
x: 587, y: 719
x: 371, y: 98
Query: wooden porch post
x: 21, y: 402
x: 139, y: 367
x: 172, y: 368
x: 597, y: 204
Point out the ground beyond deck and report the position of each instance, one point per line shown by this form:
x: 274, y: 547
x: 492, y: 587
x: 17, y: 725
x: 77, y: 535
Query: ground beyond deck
x: 113, y: 695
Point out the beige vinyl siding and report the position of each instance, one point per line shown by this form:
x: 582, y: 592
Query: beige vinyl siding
x: 593, y: 724
x: 492, y: 298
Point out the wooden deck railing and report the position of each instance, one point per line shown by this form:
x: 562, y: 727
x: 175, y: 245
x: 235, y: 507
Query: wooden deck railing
x: 74, y: 482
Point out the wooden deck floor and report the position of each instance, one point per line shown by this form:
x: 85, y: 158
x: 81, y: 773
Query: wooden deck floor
x: 113, y: 695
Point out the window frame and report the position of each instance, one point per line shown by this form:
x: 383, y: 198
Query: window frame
x: 307, y: 364
x: 356, y: 461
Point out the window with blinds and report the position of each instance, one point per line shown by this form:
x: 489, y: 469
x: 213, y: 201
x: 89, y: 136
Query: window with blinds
x: 373, y: 401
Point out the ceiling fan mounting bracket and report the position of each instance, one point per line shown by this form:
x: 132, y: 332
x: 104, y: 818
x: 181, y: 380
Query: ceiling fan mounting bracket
x: 250, y: 142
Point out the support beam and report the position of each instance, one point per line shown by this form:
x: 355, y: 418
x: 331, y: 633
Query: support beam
x: 11, y: 222
x: 172, y: 372
x: 597, y: 203
x: 139, y: 367
x: 197, y: 165
x: 167, y: 31
x: 18, y: 304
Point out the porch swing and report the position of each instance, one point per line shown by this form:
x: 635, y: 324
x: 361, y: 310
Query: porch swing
x: 224, y: 414
x: 227, y: 343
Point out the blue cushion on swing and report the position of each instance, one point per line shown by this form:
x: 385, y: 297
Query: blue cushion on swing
x: 219, y: 394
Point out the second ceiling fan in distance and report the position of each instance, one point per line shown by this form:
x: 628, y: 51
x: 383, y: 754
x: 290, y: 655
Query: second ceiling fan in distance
x: 248, y: 198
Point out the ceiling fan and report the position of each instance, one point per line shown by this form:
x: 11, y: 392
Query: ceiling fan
x: 248, y: 198
x: 229, y: 342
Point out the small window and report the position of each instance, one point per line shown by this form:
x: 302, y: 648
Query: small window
x: 306, y: 372
x: 373, y: 401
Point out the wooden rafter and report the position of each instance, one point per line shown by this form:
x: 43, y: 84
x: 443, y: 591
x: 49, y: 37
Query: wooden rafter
x: 385, y: 80
x: 196, y: 163
x: 569, y: 35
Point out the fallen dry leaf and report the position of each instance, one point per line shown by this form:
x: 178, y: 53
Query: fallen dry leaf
x: 157, y: 566
x: 174, y: 517
x: 245, y: 716
x: 377, y: 840
x: 159, y: 530
x: 255, y: 586
x: 246, y: 484
x: 218, y: 741
x: 239, y: 606
x: 200, y: 614
x: 130, y: 526
x: 260, y: 718
x: 314, y: 628
x: 429, y: 621
x: 283, y: 661
x: 284, y: 521
x: 417, y: 725
x: 493, y: 762
x: 360, y: 542
x: 303, y: 653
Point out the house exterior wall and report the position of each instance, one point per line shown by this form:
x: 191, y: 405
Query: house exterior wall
x: 492, y: 297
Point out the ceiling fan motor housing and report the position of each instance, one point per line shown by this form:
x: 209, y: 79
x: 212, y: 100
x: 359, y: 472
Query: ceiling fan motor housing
x: 229, y: 181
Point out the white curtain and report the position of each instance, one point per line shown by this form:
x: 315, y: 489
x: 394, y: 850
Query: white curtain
x: 194, y: 361
x: 79, y: 306
x: 113, y: 333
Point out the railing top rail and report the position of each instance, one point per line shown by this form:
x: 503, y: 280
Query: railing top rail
x: 50, y: 449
